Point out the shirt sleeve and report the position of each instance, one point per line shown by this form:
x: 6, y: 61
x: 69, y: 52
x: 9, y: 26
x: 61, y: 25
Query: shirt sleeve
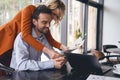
x: 23, y: 60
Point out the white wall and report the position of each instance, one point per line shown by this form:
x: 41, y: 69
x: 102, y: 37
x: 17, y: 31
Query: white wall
x: 111, y: 22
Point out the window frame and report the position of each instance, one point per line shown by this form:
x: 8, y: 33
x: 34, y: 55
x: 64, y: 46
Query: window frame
x: 99, y: 21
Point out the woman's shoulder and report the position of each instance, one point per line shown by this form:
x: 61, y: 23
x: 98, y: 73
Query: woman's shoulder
x: 32, y: 7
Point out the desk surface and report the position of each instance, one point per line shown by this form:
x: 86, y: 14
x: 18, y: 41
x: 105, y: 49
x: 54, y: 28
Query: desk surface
x: 52, y: 74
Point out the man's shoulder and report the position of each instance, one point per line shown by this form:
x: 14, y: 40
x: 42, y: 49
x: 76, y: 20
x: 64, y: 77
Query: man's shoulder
x: 19, y: 40
x: 18, y: 37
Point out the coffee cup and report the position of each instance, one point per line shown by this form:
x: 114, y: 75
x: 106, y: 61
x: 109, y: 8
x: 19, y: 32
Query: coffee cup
x: 116, y: 67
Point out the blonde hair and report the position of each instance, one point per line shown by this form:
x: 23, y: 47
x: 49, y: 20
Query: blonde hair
x: 57, y: 4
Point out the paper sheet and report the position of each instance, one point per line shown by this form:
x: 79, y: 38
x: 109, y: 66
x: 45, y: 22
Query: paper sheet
x: 98, y: 77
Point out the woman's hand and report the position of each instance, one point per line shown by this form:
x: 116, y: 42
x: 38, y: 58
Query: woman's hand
x: 52, y: 54
x: 64, y: 48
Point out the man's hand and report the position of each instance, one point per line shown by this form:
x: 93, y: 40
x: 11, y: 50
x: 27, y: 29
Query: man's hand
x: 59, y: 62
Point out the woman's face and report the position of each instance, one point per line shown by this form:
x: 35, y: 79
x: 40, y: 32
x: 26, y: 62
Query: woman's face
x: 55, y: 14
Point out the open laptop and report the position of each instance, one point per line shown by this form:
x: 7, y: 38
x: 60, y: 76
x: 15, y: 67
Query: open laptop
x: 86, y: 63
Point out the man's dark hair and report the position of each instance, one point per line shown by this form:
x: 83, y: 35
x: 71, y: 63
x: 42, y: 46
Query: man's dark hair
x: 40, y: 9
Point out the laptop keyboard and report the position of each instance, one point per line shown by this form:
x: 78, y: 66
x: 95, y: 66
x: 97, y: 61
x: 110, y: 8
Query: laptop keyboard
x: 82, y: 75
x: 105, y: 68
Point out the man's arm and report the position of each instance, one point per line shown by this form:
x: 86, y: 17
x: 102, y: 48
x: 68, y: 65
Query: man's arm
x: 23, y: 60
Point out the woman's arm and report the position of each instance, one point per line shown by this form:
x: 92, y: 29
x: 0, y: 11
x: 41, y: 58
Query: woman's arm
x: 52, y: 41
x: 26, y: 21
x: 56, y: 44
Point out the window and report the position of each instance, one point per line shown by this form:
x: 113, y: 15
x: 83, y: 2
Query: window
x: 9, y: 8
x: 92, y: 22
x: 86, y: 17
x: 74, y: 21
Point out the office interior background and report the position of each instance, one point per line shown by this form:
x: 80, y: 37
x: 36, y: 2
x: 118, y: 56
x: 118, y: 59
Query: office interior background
x: 99, y: 19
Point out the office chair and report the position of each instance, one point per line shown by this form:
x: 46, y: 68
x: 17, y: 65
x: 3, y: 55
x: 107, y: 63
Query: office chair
x: 5, y: 62
x: 100, y: 56
x: 105, y: 47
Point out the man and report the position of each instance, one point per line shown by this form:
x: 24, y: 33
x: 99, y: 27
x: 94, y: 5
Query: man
x: 24, y: 56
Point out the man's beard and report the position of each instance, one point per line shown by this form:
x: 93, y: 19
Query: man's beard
x: 43, y: 30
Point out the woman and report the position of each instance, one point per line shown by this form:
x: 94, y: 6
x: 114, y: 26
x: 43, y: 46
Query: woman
x: 22, y: 23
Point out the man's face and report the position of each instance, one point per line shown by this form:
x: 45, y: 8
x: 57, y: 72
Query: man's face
x: 43, y: 23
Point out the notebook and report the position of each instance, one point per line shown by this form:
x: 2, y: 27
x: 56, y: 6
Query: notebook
x: 86, y: 63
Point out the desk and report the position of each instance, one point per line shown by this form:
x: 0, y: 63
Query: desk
x: 51, y: 74
x: 114, y: 50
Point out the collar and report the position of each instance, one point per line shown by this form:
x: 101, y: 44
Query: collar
x: 35, y: 35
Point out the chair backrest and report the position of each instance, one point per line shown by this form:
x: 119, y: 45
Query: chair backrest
x: 6, y: 58
x: 107, y: 47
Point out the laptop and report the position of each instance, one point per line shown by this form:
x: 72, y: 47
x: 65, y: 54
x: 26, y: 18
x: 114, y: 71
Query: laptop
x: 86, y: 63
